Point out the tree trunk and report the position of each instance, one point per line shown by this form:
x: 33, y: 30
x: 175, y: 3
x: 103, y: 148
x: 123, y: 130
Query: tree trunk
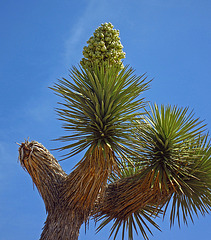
x: 62, y: 225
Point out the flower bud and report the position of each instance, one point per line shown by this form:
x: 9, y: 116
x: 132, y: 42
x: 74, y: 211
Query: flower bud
x: 104, y: 45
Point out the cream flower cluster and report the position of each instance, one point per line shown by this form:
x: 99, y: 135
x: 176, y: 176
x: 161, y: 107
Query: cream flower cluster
x: 103, y: 46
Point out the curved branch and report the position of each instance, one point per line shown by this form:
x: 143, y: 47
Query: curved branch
x: 44, y: 170
x: 128, y: 195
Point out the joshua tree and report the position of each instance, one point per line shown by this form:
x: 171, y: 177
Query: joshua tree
x: 137, y: 162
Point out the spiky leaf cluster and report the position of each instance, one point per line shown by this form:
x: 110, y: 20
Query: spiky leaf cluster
x: 179, y: 156
x: 99, y: 107
x: 103, y: 46
x: 138, y: 220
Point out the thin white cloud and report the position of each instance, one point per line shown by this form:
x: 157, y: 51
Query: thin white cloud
x: 71, y: 44
x: 83, y: 27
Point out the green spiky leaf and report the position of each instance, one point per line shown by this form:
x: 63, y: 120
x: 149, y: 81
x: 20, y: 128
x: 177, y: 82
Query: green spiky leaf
x: 177, y: 151
x: 98, y: 107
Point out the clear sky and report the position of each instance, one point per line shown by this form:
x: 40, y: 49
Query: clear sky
x: 40, y: 40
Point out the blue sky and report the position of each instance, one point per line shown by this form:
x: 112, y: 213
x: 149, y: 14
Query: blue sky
x: 41, y: 40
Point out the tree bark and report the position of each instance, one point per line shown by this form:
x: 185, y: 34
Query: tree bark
x: 63, y: 222
x: 125, y: 196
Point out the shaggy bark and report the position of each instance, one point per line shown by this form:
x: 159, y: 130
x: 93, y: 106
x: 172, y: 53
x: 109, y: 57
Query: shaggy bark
x: 62, y: 223
x: 124, y: 197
